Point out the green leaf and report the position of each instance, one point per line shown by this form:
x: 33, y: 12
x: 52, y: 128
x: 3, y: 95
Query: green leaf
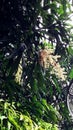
x: 34, y: 86
x: 70, y: 50
x: 55, y: 82
x: 13, y: 122
x: 71, y: 74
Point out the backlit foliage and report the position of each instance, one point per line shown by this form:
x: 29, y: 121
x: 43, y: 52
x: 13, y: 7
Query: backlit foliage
x: 30, y: 99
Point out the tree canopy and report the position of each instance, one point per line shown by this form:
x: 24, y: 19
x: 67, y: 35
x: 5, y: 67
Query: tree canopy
x: 36, y: 59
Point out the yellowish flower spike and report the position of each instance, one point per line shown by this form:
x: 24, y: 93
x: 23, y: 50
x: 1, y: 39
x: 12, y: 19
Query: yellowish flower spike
x: 47, y: 59
x: 18, y: 75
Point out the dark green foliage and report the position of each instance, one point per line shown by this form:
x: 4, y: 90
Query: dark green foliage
x: 37, y: 102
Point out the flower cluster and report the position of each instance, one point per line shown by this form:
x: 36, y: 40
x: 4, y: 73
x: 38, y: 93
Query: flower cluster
x: 48, y: 59
x: 18, y: 74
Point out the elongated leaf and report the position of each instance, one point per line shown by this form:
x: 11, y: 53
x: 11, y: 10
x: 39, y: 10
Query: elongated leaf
x: 71, y: 74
